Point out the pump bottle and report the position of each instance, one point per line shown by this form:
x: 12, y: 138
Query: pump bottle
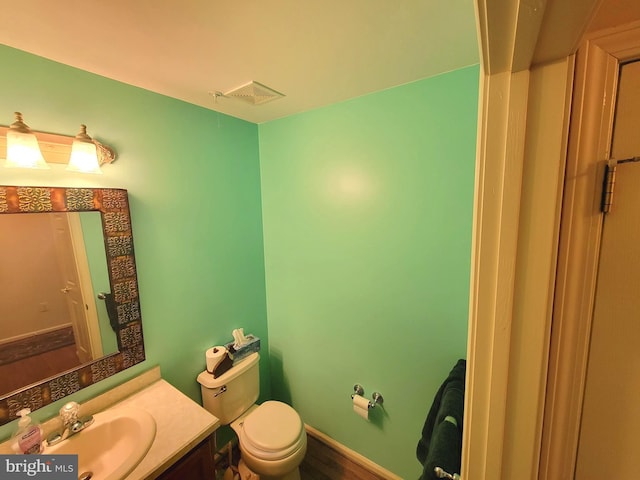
x: 28, y: 437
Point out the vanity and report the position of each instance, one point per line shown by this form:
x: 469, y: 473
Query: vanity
x: 183, y: 443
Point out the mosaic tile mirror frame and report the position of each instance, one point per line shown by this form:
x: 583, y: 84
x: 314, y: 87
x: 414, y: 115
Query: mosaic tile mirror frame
x: 113, y: 204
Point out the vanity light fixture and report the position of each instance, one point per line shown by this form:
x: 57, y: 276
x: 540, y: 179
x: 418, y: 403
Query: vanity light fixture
x: 23, y: 150
x: 80, y: 153
x: 84, y: 154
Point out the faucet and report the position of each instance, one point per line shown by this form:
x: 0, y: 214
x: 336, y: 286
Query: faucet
x: 71, y: 423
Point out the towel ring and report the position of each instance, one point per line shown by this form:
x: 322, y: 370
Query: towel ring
x: 440, y: 473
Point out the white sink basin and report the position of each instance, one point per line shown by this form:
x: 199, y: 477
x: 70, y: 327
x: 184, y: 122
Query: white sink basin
x: 113, y: 445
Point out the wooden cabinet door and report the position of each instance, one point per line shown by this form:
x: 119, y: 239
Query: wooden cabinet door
x: 195, y: 465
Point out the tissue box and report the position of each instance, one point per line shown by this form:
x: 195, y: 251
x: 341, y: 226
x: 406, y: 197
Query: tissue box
x: 252, y: 345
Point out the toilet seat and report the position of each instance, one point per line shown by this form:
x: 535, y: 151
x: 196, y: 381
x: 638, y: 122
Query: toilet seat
x: 272, y: 431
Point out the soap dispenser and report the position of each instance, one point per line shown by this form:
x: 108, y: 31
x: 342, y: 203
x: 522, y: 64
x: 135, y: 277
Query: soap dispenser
x: 28, y: 437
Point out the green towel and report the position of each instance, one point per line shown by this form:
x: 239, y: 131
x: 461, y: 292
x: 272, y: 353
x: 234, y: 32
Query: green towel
x: 446, y: 445
x: 440, y: 444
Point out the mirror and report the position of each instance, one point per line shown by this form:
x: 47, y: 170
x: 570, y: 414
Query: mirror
x: 53, y: 269
x: 69, y: 309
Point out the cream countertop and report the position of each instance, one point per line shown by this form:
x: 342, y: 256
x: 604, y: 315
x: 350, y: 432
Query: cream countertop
x: 181, y: 423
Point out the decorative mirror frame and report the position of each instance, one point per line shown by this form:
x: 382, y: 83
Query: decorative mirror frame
x: 113, y: 204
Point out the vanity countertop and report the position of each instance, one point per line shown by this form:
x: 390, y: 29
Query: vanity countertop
x: 181, y: 424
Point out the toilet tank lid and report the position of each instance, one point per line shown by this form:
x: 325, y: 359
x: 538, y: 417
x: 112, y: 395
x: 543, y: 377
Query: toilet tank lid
x: 206, y: 379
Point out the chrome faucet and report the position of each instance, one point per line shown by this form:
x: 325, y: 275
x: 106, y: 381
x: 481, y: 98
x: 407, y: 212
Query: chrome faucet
x: 71, y: 423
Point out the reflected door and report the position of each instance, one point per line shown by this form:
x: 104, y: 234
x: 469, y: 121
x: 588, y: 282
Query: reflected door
x: 70, y: 286
x: 610, y: 425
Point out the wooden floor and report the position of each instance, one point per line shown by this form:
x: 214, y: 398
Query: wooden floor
x: 35, y: 368
x: 324, y: 463
x: 320, y: 463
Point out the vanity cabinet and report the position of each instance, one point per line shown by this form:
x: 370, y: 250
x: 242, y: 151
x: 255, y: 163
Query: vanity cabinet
x: 195, y: 465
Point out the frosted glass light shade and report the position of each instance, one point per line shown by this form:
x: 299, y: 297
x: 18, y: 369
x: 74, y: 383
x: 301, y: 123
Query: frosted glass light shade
x: 23, y: 150
x: 84, y: 155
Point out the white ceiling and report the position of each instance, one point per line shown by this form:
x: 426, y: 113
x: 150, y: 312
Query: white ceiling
x: 314, y: 52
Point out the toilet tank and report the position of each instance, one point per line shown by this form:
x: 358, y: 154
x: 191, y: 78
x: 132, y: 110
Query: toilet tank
x: 233, y: 392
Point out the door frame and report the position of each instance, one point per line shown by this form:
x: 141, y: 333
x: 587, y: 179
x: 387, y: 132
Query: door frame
x: 84, y: 282
x: 594, y: 95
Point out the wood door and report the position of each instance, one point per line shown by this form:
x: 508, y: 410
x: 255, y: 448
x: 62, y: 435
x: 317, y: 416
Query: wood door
x: 610, y: 424
x: 71, y: 287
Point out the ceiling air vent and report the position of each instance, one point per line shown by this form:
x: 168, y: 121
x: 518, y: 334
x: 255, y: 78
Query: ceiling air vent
x: 254, y: 93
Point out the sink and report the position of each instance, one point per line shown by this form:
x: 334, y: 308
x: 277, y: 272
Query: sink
x: 113, y: 445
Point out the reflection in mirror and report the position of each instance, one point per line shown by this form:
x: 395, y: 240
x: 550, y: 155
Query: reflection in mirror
x: 67, y: 263
x: 48, y: 314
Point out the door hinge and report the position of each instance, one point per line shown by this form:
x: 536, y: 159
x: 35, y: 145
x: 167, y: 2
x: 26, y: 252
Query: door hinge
x: 609, y: 182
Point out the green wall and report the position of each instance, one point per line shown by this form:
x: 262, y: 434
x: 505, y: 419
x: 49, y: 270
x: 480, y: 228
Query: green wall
x: 194, y: 186
x: 367, y: 211
x: 366, y: 208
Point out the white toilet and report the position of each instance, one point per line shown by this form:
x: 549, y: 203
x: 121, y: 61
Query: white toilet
x: 272, y: 438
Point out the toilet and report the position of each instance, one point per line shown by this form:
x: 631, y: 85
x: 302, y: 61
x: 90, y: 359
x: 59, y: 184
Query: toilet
x: 271, y: 436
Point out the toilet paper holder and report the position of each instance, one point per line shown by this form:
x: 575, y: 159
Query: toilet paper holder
x: 376, y: 397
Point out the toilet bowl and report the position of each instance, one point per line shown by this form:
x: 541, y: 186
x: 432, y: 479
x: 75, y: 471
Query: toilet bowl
x: 271, y: 436
x: 272, y: 441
